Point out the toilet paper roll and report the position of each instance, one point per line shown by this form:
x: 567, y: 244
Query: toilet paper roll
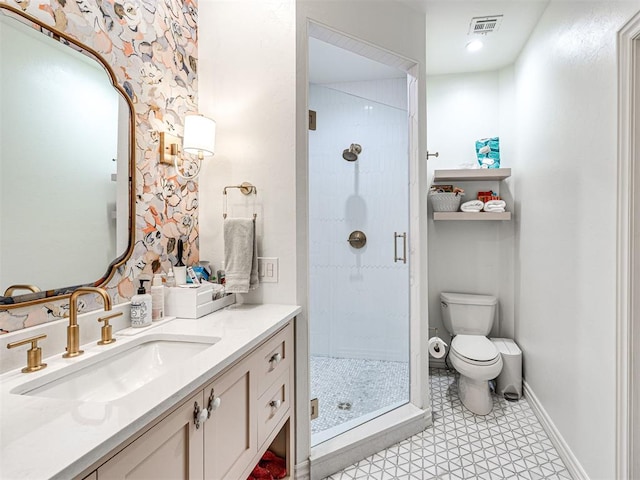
x: 437, y: 347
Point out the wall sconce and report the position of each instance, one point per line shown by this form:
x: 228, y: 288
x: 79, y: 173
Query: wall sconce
x: 199, y: 140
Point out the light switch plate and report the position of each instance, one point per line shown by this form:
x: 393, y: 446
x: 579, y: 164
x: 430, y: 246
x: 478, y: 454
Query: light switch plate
x: 268, y: 269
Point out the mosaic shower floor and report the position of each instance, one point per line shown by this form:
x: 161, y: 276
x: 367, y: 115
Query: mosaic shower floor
x: 509, y: 443
x: 350, y: 390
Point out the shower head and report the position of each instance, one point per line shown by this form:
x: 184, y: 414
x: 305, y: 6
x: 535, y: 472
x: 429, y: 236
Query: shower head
x: 351, y: 153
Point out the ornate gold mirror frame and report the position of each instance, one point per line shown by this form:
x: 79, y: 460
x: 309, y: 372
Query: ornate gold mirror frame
x: 29, y: 299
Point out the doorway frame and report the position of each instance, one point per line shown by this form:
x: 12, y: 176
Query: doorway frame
x: 628, y: 250
x: 401, y: 423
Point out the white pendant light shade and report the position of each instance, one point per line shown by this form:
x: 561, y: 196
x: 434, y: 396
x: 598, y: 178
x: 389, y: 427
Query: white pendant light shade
x: 199, y: 135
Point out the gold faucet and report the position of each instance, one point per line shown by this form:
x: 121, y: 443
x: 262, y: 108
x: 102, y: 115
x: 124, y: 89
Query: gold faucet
x: 73, y: 330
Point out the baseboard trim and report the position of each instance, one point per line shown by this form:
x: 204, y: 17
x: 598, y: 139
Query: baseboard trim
x: 437, y: 362
x: 354, y: 445
x: 302, y: 471
x: 567, y: 456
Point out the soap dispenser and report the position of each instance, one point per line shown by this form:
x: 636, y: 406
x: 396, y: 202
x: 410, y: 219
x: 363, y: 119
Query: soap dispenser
x: 141, y: 307
x: 157, y: 298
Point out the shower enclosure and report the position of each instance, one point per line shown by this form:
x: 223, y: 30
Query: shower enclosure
x: 358, y: 266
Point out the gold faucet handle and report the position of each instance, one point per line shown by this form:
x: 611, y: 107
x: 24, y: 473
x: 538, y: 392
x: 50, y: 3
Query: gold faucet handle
x: 107, y: 330
x: 34, y: 354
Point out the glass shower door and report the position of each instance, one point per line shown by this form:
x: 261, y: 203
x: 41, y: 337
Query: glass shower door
x: 359, y: 290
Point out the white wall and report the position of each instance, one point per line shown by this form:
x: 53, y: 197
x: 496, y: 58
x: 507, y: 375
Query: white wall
x: 471, y: 257
x: 565, y: 190
x: 358, y: 297
x: 247, y: 83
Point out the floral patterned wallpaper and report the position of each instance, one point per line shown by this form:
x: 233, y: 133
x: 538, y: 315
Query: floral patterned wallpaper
x: 152, y: 47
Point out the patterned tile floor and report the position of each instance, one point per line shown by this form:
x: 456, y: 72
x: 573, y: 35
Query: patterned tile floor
x: 366, y: 385
x: 509, y: 443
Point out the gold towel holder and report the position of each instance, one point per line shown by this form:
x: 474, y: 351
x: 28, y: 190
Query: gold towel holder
x: 245, y: 188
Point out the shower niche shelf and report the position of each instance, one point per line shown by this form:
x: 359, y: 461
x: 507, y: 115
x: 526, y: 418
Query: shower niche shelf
x: 471, y: 175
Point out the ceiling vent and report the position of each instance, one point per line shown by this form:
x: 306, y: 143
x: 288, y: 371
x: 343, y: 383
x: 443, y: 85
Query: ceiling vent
x: 485, y: 25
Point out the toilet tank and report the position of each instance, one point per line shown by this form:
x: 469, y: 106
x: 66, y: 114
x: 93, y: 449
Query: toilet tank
x: 467, y: 314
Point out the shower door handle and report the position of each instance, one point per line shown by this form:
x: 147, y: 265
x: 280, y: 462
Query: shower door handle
x: 396, y: 258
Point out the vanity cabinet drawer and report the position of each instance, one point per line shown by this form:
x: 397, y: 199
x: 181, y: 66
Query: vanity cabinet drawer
x: 274, y: 358
x: 273, y: 406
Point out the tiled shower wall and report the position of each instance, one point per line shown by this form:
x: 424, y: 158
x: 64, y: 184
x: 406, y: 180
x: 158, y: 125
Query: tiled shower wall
x: 152, y: 48
x: 359, y: 298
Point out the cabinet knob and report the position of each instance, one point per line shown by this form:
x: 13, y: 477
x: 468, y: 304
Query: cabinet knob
x: 200, y: 415
x: 203, y: 415
x: 275, y: 404
x: 275, y: 359
x: 214, y: 402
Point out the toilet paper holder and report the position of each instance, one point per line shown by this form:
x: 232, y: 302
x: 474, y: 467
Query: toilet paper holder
x: 436, y: 346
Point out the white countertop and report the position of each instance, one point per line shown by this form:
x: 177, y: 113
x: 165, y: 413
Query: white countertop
x: 51, y: 438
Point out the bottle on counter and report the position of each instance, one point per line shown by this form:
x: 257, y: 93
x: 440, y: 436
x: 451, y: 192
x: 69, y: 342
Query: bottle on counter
x: 141, y: 307
x: 171, y: 278
x: 157, y: 298
x: 221, y: 279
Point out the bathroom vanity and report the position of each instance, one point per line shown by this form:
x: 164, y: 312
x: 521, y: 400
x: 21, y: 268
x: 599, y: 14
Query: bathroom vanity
x: 212, y: 414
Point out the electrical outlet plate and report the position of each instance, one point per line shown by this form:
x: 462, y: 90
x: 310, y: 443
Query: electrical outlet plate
x: 268, y: 269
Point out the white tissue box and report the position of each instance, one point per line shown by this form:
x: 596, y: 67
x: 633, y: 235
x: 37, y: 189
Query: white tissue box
x: 189, y: 302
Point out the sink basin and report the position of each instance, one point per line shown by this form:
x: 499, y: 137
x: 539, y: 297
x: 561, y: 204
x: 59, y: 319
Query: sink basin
x: 111, y: 375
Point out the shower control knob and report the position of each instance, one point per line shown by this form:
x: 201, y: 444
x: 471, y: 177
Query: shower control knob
x: 357, y: 239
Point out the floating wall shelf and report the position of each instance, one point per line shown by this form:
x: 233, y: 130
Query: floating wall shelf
x: 472, y: 215
x: 471, y: 175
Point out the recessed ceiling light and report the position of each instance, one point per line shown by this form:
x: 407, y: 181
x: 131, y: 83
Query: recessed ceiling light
x: 474, y: 45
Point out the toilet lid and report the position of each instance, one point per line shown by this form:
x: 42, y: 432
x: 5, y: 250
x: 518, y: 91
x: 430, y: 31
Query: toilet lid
x: 474, y: 347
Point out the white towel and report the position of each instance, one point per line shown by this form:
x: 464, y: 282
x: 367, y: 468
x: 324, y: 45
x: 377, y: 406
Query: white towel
x: 472, y: 206
x: 240, y: 255
x: 495, y: 206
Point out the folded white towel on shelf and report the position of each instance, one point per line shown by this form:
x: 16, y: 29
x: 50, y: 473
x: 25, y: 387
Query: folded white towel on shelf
x: 493, y: 205
x: 472, y: 206
x: 494, y: 210
x: 240, y: 255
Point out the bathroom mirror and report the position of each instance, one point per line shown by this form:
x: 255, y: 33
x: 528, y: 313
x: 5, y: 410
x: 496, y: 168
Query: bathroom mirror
x: 66, y: 163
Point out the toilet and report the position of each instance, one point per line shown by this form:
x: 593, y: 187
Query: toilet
x: 468, y: 318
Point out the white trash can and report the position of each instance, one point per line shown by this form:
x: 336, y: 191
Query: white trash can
x: 509, y: 382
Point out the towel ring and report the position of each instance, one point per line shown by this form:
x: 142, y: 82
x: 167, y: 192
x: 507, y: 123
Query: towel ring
x: 246, y: 189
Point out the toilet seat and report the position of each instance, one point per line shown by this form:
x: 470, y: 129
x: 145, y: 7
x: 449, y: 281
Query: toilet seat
x: 475, y: 349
